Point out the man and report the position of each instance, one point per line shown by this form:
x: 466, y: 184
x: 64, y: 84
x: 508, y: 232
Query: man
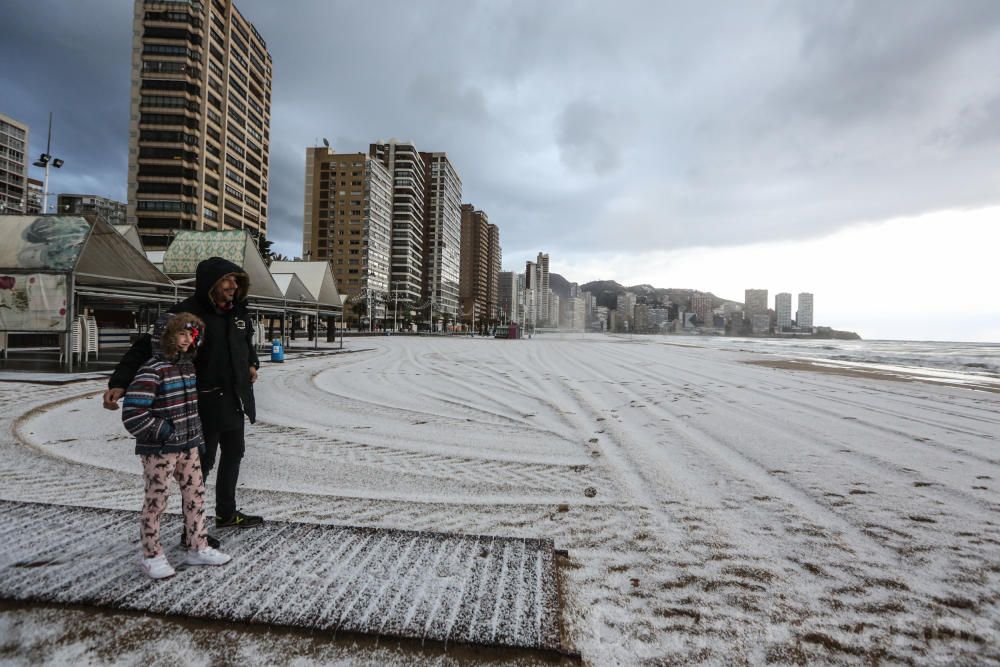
x: 225, y: 367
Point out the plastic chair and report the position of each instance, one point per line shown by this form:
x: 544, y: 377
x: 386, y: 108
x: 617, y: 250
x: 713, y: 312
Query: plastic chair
x: 90, y: 339
x: 76, y: 334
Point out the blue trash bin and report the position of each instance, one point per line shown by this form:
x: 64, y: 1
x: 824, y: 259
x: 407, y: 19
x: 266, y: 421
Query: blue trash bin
x: 277, y: 351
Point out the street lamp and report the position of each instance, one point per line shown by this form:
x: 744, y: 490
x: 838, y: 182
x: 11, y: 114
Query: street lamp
x: 43, y: 161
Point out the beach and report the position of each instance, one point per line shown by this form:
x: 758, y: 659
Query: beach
x: 719, y: 502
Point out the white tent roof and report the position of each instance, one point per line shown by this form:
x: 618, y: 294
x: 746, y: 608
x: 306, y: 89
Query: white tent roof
x: 316, y: 276
x: 190, y: 247
x: 293, y: 287
x: 131, y: 235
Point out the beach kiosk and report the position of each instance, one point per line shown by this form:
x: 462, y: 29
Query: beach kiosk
x: 318, y: 280
x: 54, y: 267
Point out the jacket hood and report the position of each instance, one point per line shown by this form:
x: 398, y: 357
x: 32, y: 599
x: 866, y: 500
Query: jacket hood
x: 164, y: 336
x: 211, y: 271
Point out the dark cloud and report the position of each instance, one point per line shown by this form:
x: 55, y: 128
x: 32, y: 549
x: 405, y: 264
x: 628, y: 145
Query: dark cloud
x: 581, y: 125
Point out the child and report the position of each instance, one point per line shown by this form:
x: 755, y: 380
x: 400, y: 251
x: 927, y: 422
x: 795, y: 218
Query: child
x: 161, y: 410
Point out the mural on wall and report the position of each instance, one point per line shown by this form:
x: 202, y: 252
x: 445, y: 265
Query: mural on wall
x: 51, y: 242
x: 33, y: 302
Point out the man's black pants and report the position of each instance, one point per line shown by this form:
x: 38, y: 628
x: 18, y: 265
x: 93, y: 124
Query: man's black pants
x: 230, y: 444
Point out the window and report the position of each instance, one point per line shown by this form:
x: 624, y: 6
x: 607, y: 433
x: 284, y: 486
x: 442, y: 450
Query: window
x: 233, y: 192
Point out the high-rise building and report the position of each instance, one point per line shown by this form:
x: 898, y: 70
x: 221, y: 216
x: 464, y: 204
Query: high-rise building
x: 347, y: 221
x: 442, y: 242
x: 493, y: 265
x: 783, y: 311
x: 406, y: 168
x: 804, y: 315
x: 480, y: 267
x: 755, y: 310
x: 574, y: 314
x: 13, y: 166
x: 509, y: 302
x: 109, y: 209
x: 755, y: 302
x: 199, y: 132
x: 549, y: 317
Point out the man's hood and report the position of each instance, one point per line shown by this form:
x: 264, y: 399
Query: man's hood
x: 211, y: 271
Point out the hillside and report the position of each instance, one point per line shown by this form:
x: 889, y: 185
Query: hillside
x: 607, y: 292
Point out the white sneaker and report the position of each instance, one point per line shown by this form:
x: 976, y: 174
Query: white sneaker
x: 157, y: 567
x: 206, y: 556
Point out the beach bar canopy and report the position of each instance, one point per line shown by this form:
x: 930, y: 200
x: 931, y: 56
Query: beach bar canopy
x: 190, y: 247
x: 53, y: 265
x: 293, y: 287
x: 317, y: 278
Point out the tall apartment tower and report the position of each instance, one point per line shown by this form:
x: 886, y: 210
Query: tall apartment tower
x: 783, y: 311
x: 480, y: 267
x: 493, y: 264
x: 13, y: 166
x: 546, y: 313
x: 406, y: 168
x: 755, y: 310
x: 754, y: 302
x: 508, y: 302
x: 348, y: 219
x: 199, y: 132
x: 442, y: 244
x: 804, y: 315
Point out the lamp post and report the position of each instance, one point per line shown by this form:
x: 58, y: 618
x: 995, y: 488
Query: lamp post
x: 43, y: 161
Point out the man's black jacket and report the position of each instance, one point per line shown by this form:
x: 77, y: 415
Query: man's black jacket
x: 226, y: 353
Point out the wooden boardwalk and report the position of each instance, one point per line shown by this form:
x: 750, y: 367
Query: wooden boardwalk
x: 483, y: 590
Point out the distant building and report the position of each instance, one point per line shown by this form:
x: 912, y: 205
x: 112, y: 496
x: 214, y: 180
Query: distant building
x: 200, y: 127
x: 35, y: 197
x: 804, y: 315
x: 640, y: 318
x: 760, y: 323
x: 549, y: 315
x: 13, y: 166
x: 755, y: 303
x: 576, y: 314
x: 406, y: 170
x: 625, y: 307
x: 480, y: 267
x: 442, y: 245
x: 602, y: 317
x: 783, y: 311
x: 755, y: 311
x: 109, y: 209
x: 347, y: 220
x: 507, y: 295
x: 701, y: 305
x: 658, y: 319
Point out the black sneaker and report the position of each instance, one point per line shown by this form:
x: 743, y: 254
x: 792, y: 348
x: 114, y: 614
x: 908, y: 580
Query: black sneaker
x: 212, y: 541
x: 239, y: 520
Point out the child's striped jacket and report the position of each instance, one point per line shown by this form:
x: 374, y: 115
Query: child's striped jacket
x: 161, y: 405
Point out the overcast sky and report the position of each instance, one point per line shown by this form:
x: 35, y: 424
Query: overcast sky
x: 844, y: 148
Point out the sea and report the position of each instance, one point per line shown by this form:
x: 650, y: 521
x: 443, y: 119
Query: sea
x: 976, y: 359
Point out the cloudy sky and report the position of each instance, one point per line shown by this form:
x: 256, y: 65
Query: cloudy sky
x: 845, y: 148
